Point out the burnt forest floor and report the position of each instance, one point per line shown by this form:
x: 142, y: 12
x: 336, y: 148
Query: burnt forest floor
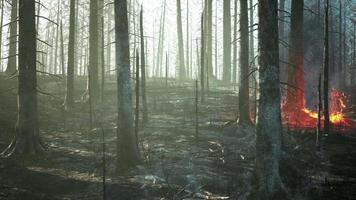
x: 217, y: 164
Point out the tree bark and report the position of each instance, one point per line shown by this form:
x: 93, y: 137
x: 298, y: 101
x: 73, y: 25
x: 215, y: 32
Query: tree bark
x: 12, y: 63
x: 295, y: 96
x: 27, y: 139
x: 269, y: 128
x: 326, y: 71
x: 69, y: 100
x: 234, y: 60
x: 181, y: 64
x: 93, y: 52
x: 227, y: 42
x: 128, y: 154
x: 244, y: 92
x: 143, y: 72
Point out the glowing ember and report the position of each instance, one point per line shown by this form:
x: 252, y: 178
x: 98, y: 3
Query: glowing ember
x: 306, y: 118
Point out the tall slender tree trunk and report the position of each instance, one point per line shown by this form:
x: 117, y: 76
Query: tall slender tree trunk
x: 234, y: 60
x: 12, y: 64
x: 340, y: 67
x: 209, y: 40
x: 202, y: 58
x: 216, y: 40
x: 187, y: 43
x: 227, y: 42
x: 143, y: 72
x: 161, y: 41
x: 128, y: 153
x: 1, y: 23
x: 326, y: 70
x: 181, y: 64
x: 295, y: 93
x: 62, y: 49
x: 93, y: 52
x: 27, y: 139
x: 102, y: 56
x: 69, y: 100
x: 244, y: 91
x: 57, y: 41
x: 269, y: 128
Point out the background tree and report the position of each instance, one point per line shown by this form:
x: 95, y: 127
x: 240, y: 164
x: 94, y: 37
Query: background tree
x: 12, y: 57
x: 181, y: 63
x: 69, y: 100
x: 143, y: 72
x: 227, y: 42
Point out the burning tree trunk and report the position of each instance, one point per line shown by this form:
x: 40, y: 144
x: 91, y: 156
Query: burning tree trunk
x: 181, y: 64
x: 244, y: 92
x: 269, y: 128
x: 295, y: 93
x: 27, y: 139
x: 69, y: 100
x: 127, y: 149
x: 11, y: 64
x: 227, y: 42
x: 326, y: 70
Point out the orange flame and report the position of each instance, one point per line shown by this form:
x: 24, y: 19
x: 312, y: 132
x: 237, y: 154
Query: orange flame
x: 308, y: 118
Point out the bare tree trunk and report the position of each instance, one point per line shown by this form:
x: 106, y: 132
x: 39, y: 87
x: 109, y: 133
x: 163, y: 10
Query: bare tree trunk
x: 227, y: 42
x: 202, y: 59
x: 234, y: 60
x: 143, y: 72
x: 295, y: 96
x: 102, y: 89
x: 269, y: 128
x: 181, y: 64
x: 12, y: 64
x: 209, y: 39
x: 1, y: 23
x: 216, y: 40
x: 326, y: 70
x: 244, y: 92
x: 69, y: 100
x: 57, y: 42
x: 27, y: 139
x: 128, y: 153
x: 137, y: 89
x: 340, y: 67
x: 62, y: 49
x: 187, y: 43
x: 93, y: 52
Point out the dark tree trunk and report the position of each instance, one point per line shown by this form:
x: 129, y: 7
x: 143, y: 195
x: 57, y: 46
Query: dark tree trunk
x: 143, y: 72
x: 11, y: 64
x: 93, y: 52
x: 181, y: 64
x: 227, y: 42
x: 244, y: 92
x: 326, y: 71
x: 128, y: 153
x: 26, y: 141
x: 71, y: 47
x: 295, y: 93
x: 269, y: 128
